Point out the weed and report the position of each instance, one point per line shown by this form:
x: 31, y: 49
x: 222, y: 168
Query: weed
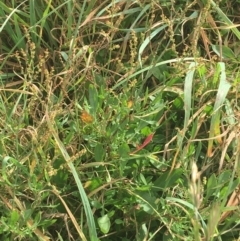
x: 119, y: 120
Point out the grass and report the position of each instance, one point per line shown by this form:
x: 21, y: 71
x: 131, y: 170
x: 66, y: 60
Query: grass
x: 119, y: 120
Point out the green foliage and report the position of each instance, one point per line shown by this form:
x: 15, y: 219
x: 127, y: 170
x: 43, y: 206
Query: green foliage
x: 84, y: 85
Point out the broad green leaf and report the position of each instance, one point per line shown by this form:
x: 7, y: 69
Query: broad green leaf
x: 208, y: 109
x: 119, y: 221
x: 104, y: 224
x: 64, y: 55
x: 14, y: 217
x: 226, y: 52
x: 124, y: 150
x: 96, y: 204
x: 146, y: 131
x: 143, y: 179
x: 167, y: 180
x: 147, y: 202
x: 27, y: 214
x: 224, y: 177
x: 93, y: 183
x: 143, y: 232
x: 211, y: 186
x: 158, y: 72
x: 178, y: 103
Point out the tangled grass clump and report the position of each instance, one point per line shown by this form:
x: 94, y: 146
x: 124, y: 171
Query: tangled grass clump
x: 119, y: 120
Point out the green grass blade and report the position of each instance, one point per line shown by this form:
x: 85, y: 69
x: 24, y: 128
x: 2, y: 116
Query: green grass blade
x: 148, y: 40
x: 80, y: 18
x: 226, y: 19
x: 33, y: 21
x: 124, y: 79
x: 188, y: 93
x: 86, y: 205
x: 9, y: 16
x: 223, y: 89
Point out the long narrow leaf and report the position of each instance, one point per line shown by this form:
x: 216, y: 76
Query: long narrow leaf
x: 188, y: 93
x: 223, y: 89
x: 226, y: 19
x: 86, y: 205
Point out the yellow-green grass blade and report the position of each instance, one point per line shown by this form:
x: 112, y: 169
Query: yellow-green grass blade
x: 85, y: 201
x: 223, y: 89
